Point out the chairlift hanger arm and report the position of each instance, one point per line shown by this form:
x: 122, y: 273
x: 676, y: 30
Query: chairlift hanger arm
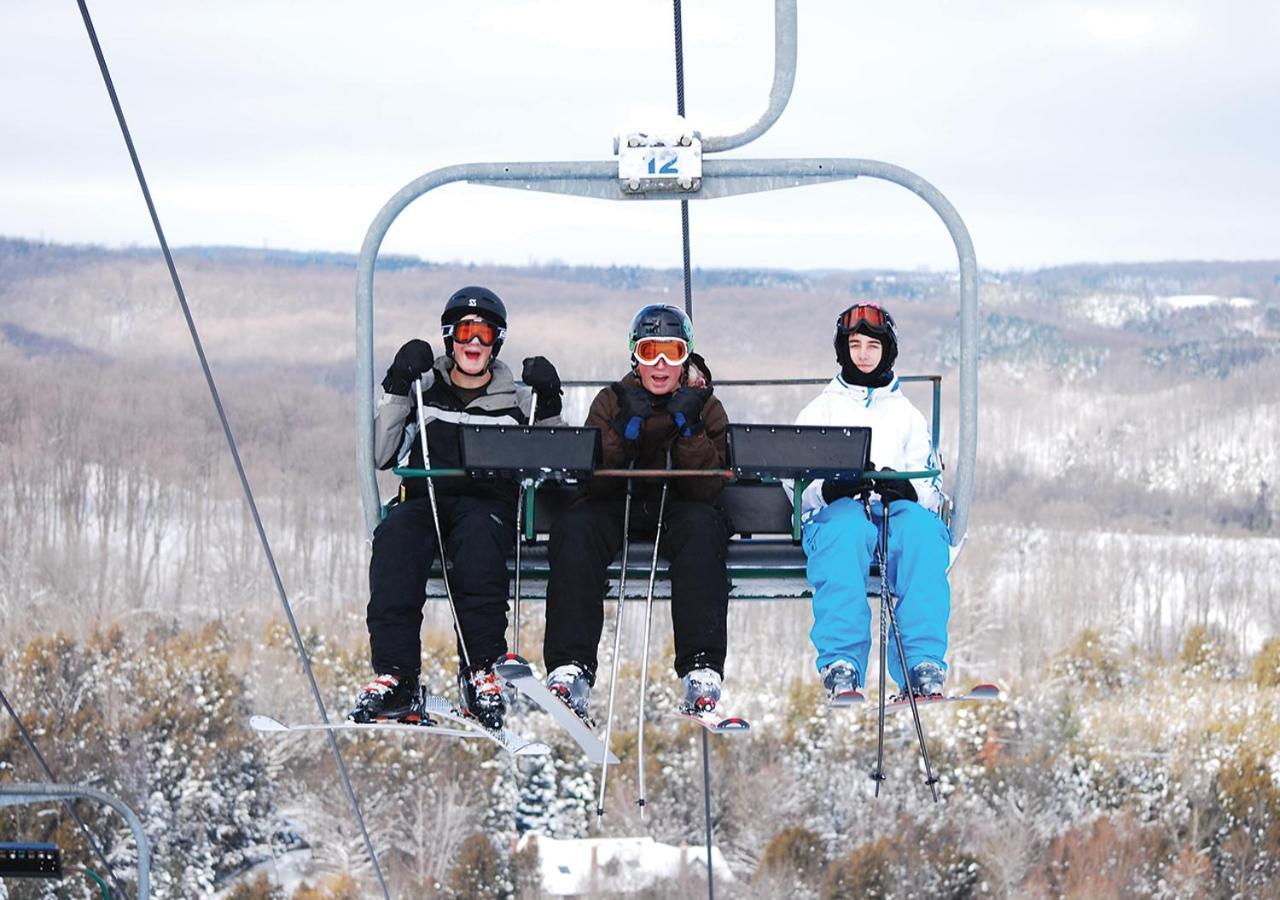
x: 721, y: 177
x: 784, y: 78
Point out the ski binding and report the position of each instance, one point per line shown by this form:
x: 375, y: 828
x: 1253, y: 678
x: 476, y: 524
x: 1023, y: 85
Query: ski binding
x: 517, y: 672
x: 847, y: 698
x: 513, y: 743
x: 714, y: 722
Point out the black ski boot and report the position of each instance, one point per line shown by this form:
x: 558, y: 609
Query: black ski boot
x: 571, y: 684
x: 388, y: 698
x: 482, y: 697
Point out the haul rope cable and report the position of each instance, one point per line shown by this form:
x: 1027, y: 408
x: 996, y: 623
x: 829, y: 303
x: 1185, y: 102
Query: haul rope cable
x: 231, y: 444
x: 688, y: 308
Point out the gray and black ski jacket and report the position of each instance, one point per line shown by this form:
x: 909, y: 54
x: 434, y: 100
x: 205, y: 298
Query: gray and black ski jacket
x: 395, y: 429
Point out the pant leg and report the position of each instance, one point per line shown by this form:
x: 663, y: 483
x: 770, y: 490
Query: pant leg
x: 839, y: 542
x: 404, y: 546
x: 695, y: 539
x: 583, y: 543
x: 918, y: 557
x: 479, y: 536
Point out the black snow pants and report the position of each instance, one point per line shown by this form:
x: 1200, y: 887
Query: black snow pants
x: 695, y: 541
x: 478, y: 535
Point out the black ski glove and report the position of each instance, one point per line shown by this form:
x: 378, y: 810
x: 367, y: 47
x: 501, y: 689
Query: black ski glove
x: 540, y: 375
x: 634, y: 406
x: 833, y: 490
x: 412, y: 360
x: 891, y: 491
x: 685, y: 406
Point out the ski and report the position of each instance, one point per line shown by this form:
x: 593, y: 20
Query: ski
x: 847, y: 698
x: 978, y: 692
x: 715, y: 723
x: 513, y: 743
x: 268, y: 725
x: 518, y: 673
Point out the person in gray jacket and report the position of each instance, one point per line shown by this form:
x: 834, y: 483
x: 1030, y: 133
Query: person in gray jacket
x: 468, y: 385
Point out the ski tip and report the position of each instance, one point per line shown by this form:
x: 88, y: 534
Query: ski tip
x: 266, y: 723
x: 534, y: 748
x: 736, y: 723
x: 986, y: 692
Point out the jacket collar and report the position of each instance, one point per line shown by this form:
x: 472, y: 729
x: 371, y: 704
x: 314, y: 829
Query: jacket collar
x: 500, y: 392
x: 864, y: 395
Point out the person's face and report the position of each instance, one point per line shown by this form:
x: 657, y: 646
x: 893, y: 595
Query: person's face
x: 865, y: 351
x: 473, y: 356
x: 660, y: 378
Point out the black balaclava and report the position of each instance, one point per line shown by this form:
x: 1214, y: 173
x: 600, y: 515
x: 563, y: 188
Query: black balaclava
x: 881, y: 375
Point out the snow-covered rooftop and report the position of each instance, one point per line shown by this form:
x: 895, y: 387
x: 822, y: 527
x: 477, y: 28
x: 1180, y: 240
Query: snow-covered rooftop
x: 616, y: 865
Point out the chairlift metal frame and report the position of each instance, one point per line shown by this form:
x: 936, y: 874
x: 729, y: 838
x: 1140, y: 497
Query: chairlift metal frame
x: 720, y: 178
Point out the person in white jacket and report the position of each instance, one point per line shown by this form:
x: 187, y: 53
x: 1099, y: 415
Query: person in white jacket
x: 839, y: 540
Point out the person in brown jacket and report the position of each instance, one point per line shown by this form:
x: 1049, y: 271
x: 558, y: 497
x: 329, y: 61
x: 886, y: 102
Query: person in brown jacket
x: 661, y: 415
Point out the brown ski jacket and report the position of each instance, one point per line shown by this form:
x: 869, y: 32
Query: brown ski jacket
x: 707, y: 449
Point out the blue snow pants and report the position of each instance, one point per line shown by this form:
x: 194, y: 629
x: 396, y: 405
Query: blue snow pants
x: 840, y: 544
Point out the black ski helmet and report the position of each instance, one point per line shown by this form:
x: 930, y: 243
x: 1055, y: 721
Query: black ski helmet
x: 478, y: 301
x: 887, y: 334
x: 660, y: 320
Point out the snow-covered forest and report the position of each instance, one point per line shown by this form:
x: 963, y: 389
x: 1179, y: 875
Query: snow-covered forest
x: 1118, y: 580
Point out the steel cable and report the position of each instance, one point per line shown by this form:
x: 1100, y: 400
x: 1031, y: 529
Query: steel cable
x: 231, y: 443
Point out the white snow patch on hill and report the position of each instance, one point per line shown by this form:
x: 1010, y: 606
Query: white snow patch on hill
x: 1191, y: 301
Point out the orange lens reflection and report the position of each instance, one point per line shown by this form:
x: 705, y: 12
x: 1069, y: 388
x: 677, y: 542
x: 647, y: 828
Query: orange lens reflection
x: 872, y: 315
x: 465, y: 331
x: 673, y: 350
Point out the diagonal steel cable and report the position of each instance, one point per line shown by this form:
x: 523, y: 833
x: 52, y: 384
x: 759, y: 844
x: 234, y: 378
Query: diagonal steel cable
x: 688, y: 308
x: 231, y: 444
x: 684, y: 204
x: 71, y: 808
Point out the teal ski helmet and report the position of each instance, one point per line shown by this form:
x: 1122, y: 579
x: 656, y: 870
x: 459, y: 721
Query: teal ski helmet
x: 660, y: 320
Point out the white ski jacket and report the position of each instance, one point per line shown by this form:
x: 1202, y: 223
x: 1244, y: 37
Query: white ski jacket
x: 899, y: 435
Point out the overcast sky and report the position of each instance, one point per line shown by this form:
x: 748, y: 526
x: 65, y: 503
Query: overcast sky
x: 1062, y: 131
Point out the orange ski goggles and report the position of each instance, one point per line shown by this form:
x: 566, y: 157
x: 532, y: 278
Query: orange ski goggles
x: 873, y: 315
x: 463, y: 332
x: 651, y: 349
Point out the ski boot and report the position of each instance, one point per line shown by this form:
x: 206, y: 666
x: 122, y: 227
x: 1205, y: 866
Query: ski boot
x: 701, y: 691
x: 571, y: 684
x: 388, y: 698
x: 482, y: 697
x: 927, y: 678
x: 840, y: 679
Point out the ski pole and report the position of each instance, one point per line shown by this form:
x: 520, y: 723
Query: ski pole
x: 515, y: 635
x: 887, y: 605
x: 435, y: 518
x: 648, y: 626
x: 617, y: 644
x: 878, y: 775
x: 525, y: 484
